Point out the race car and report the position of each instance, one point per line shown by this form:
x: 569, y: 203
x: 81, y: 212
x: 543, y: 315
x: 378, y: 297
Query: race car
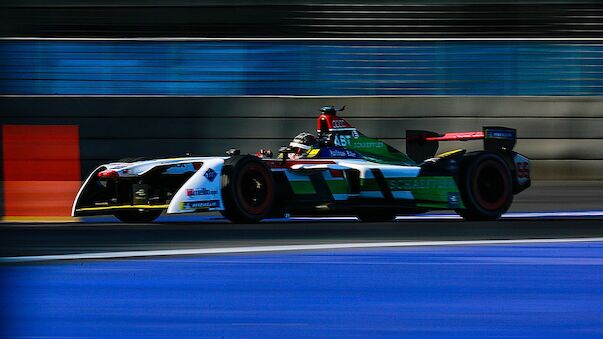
x: 339, y: 172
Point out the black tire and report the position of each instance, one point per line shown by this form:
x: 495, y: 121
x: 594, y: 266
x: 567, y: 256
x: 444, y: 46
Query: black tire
x: 136, y: 216
x: 376, y: 215
x: 486, y: 186
x: 248, y: 189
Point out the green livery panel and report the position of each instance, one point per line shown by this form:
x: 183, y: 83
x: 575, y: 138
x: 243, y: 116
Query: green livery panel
x: 434, y: 192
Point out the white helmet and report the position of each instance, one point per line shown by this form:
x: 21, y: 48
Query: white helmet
x: 302, y: 143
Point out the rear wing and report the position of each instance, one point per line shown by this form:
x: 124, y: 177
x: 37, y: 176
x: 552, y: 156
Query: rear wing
x: 421, y: 145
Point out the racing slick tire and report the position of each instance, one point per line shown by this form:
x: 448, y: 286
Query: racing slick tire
x: 486, y: 186
x: 248, y: 189
x: 376, y: 215
x: 135, y: 216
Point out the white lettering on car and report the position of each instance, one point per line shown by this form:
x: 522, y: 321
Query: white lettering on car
x: 339, y: 124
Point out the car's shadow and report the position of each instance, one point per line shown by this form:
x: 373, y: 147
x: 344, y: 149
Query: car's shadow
x: 32, y: 239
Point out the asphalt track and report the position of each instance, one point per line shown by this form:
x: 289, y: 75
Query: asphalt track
x: 111, y: 237
x: 429, y: 288
x: 105, y: 234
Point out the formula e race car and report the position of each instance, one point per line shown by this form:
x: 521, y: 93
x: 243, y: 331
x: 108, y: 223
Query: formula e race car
x: 339, y: 172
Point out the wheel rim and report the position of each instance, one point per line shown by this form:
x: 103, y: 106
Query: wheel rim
x: 254, y: 189
x: 490, y: 185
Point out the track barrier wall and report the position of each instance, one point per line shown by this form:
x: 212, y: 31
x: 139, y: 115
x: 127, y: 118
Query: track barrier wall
x: 41, y: 168
x: 562, y: 135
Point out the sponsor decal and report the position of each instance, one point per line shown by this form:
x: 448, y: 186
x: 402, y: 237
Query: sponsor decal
x: 369, y: 144
x: 339, y: 123
x: 210, y: 174
x: 341, y: 153
x: 522, y: 169
x: 202, y: 191
x: 454, y: 201
x: 406, y: 184
x: 337, y: 153
x: 355, y: 134
x: 499, y: 134
x: 140, y: 194
x: 343, y: 140
x: 193, y: 205
x: 351, y: 154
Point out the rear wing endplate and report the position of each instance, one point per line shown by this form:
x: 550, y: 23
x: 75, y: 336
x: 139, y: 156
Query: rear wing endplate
x: 421, y: 145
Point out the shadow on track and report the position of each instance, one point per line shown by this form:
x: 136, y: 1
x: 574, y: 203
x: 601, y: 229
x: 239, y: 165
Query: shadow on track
x: 32, y: 239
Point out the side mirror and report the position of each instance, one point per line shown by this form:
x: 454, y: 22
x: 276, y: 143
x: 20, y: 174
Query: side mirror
x: 285, y: 150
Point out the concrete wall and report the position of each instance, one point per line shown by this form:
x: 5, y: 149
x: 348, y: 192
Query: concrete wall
x: 563, y: 135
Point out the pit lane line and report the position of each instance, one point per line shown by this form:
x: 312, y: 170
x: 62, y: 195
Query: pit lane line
x: 281, y: 248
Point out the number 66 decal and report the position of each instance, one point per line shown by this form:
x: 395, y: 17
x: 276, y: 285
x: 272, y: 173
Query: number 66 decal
x: 522, y: 168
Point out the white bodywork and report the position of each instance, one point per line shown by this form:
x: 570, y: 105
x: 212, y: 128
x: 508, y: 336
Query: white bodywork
x: 199, y: 191
x: 203, y: 192
x: 199, y: 185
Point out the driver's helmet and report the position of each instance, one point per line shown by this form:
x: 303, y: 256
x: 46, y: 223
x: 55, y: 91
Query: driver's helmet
x: 301, y: 144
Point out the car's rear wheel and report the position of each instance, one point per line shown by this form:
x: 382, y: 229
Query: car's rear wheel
x: 136, y: 216
x: 247, y: 189
x: 486, y: 186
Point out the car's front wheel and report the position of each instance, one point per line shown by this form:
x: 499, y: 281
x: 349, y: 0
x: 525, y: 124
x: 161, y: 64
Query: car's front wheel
x: 248, y: 189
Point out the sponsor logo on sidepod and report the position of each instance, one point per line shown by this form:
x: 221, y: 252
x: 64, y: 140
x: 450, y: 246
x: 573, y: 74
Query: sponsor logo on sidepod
x: 200, y: 204
x: 202, y: 191
x: 210, y: 174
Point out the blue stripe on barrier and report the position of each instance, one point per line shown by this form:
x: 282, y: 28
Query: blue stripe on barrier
x: 300, y: 68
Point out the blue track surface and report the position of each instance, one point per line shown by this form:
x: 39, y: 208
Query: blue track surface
x: 553, y: 290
